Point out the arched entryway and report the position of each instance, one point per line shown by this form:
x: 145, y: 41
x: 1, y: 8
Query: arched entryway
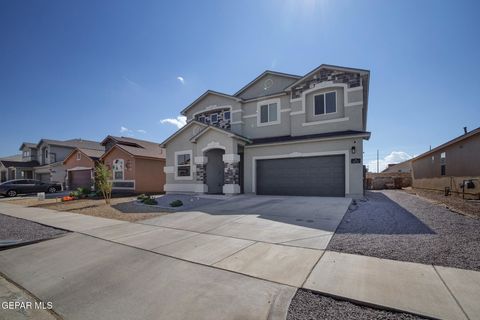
x: 215, y: 171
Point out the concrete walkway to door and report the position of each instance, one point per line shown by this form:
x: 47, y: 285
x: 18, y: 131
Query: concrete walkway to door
x: 427, y: 290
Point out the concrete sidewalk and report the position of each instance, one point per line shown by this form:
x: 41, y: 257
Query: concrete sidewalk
x: 432, y: 291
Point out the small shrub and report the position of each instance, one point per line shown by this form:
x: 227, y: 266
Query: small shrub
x: 150, y: 201
x: 176, y: 203
x: 83, y: 191
x: 74, y: 194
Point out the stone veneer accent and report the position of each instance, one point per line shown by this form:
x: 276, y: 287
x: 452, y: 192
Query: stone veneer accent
x: 201, y: 174
x: 351, y: 79
x: 232, y: 173
x: 221, y: 122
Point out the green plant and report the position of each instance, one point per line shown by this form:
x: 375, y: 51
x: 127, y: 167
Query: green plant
x: 176, y: 203
x: 83, y: 191
x: 103, y: 180
x: 75, y: 194
x: 150, y: 201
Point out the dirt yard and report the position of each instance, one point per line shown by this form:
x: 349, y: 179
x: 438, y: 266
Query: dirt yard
x: 452, y: 202
x: 121, y: 209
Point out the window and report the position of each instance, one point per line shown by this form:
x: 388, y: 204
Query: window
x: 325, y: 103
x: 226, y: 115
x: 46, y: 153
x: 183, y: 165
x: 118, y: 166
x: 269, y: 113
x: 443, y: 160
x: 214, y: 118
x: 79, y: 156
x: 26, y: 153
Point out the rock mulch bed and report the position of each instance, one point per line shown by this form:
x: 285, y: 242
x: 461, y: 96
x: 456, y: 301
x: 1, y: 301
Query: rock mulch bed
x: 393, y: 224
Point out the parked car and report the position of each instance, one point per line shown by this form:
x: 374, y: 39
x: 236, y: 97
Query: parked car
x: 12, y: 188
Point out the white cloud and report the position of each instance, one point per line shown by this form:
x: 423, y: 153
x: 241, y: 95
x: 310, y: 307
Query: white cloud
x: 141, y: 131
x: 124, y: 129
x: 179, y: 78
x: 180, y: 121
x: 393, y: 157
x: 131, y: 82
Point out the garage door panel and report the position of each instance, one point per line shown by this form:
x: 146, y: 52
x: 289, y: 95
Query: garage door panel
x: 306, y: 176
x: 80, y: 179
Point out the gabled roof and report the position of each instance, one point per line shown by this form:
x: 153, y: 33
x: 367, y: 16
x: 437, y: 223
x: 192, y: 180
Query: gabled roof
x: 264, y: 74
x: 72, y: 143
x: 228, y: 133
x: 448, y: 143
x: 136, y: 147
x: 28, y: 145
x: 91, y: 153
x: 206, y: 93
x: 327, y: 66
x: 19, y: 164
x: 176, y: 133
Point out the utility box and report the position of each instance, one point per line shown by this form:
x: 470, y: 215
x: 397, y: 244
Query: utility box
x: 41, y: 196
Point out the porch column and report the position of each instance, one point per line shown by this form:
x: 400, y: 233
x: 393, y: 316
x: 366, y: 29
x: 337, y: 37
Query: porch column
x: 201, y: 173
x: 232, y: 174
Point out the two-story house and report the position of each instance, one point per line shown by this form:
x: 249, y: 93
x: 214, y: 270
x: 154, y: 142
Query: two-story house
x: 281, y: 134
x: 43, y: 160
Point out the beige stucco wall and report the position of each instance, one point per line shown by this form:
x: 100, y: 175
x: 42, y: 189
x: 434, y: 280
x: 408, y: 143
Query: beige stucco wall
x: 149, y: 175
x: 462, y: 159
x: 267, y: 85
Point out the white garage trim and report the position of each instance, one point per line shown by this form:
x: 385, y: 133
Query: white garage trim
x: 300, y: 155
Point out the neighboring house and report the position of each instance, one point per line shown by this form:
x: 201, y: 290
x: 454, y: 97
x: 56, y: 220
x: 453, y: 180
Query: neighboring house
x: 404, y: 167
x: 80, y: 165
x: 137, y: 165
x: 281, y: 134
x: 44, y: 160
x: 450, y: 165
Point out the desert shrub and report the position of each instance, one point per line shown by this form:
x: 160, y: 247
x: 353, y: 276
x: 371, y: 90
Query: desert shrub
x: 83, y: 191
x: 176, y: 203
x: 150, y: 201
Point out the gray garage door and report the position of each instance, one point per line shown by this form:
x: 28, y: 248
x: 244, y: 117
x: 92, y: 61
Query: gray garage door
x: 44, y: 177
x: 309, y: 176
x: 81, y: 178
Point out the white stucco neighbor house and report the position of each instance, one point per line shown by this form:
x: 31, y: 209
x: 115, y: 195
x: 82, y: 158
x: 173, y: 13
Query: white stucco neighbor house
x: 281, y: 134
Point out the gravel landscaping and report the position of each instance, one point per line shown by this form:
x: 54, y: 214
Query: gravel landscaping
x: 393, y: 224
x: 307, y: 305
x: 23, y: 230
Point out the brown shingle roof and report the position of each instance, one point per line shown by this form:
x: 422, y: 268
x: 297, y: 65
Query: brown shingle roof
x: 137, y: 147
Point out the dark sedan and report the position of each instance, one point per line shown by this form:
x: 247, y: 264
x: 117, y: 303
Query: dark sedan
x: 21, y: 186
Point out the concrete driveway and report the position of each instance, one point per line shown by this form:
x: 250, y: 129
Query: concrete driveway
x: 307, y: 222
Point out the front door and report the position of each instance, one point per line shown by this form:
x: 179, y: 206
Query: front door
x: 215, y: 171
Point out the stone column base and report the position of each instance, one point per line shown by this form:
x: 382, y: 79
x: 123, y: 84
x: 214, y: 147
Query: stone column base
x: 231, y: 188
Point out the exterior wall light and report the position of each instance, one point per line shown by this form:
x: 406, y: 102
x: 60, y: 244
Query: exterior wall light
x: 353, y: 150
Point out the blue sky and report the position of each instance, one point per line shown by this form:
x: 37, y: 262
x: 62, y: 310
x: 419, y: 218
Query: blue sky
x: 86, y: 69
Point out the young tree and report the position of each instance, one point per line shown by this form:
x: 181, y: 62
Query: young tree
x: 103, y: 180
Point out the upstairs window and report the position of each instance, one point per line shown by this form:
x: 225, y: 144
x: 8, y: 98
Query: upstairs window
x: 226, y: 115
x: 118, y: 169
x: 79, y: 156
x: 214, y: 118
x: 183, y: 164
x: 325, y: 103
x: 269, y: 113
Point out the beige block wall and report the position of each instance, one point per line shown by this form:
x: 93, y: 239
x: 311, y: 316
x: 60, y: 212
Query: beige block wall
x: 453, y: 183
